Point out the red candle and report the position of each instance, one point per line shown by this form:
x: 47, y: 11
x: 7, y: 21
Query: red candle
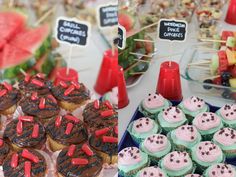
x: 169, y: 85
x: 61, y: 75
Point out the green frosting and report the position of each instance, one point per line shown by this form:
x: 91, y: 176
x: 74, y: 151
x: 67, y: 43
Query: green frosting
x: 155, y: 110
x: 223, y: 147
x: 138, y: 174
x: 206, y: 173
x: 230, y: 123
x: 193, y: 113
x: 211, y: 131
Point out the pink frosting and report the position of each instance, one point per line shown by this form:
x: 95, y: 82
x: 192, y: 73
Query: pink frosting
x: 173, y: 114
x: 193, y: 175
x: 206, y: 121
x: 186, y: 133
x: 226, y: 136
x: 228, y: 112
x: 208, y: 152
x: 152, y: 172
x: 129, y: 156
x: 143, y: 125
x: 221, y: 170
x: 154, y: 101
x: 194, y: 103
x: 155, y: 143
x: 176, y: 160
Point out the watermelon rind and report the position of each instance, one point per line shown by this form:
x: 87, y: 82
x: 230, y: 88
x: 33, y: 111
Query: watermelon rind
x: 44, y: 48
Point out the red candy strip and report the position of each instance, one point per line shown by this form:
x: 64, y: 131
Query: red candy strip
x: 19, y: 127
x: 96, y: 104
x: 69, y: 90
x: 87, y: 150
x: 63, y: 84
x: 76, y: 84
x: 34, y: 96
x: 3, y: 92
x: 14, y: 160
x: 42, y: 103
x: 116, y: 130
x: 71, y: 150
x: 108, y: 104
x: 58, y: 121
x: 79, y: 161
x: 35, y: 132
x: 7, y: 86
x: 27, y: 169
x: 101, y: 131
x: 69, y: 128
x: 109, y: 139
x: 28, y: 155
x: 72, y: 118
x: 1, y: 142
x: 37, y: 82
x: 27, y: 78
x: 26, y: 118
x: 107, y: 113
x: 40, y: 75
x: 52, y: 98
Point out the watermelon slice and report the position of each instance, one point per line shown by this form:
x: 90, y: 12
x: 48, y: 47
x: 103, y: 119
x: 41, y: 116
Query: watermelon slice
x: 126, y: 19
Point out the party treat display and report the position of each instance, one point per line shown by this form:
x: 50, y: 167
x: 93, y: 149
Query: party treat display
x: 156, y: 146
x: 206, y: 154
x: 171, y: 118
x: 131, y: 160
x: 226, y: 140
x: 142, y: 128
x: 4, y: 150
x: 65, y: 130
x: 220, y: 169
x: 177, y: 164
x: 25, y: 132
x: 185, y: 137
x: 105, y: 143
x: 153, y: 104
x: 78, y: 160
x: 228, y: 115
x: 71, y: 95
x: 207, y: 124
x: 151, y: 171
x: 27, y: 162
x: 9, y: 96
x: 112, y: 97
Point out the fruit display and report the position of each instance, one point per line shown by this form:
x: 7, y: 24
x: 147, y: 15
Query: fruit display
x: 226, y: 38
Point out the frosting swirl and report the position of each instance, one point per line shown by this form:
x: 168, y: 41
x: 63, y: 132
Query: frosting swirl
x: 186, y: 133
x: 194, y: 103
x: 129, y: 156
x: 143, y: 125
x: 172, y: 114
x: 152, y: 171
x: 224, y: 170
x: 154, y: 101
x: 156, y: 143
x: 226, y: 136
x: 228, y: 112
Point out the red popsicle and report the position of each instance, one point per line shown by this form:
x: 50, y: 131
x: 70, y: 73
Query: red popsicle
x: 231, y: 13
x: 122, y: 90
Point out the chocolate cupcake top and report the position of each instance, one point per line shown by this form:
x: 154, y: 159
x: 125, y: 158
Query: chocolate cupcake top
x: 67, y: 130
x: 105, y: 140
x: 40, y: 106
x: 221, y: 169
x: 36, y: 83
x: 72, y: 92
x: 25, y: 132
x: 26, y: 163
x: 98, y: 115
x: 9, y: 96
x: 79, y: 160
x: 4, y: 150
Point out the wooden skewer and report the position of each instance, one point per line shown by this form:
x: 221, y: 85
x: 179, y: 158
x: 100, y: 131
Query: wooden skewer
x: 199, y: 63
x: 142, y: 55
x: 144, y: 40
x: 211, y: 77
x: 212, y: 40
x: 200, y: 67
x: 132, y: 66
x: 42, y: 18
x: 137, y: 73
x: 145, y: 61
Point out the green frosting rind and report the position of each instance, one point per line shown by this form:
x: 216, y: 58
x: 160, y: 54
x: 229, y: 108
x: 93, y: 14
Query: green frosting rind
x: 223, y: 147
x: 211, y: 131
x: 206, y: 173
x: 138, y: 174
x: 230, y: 123
x: 193, y: 113
x: 147, y: 111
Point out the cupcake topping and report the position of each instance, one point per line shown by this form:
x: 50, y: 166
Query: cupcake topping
x: 28, y: 155
x: 186, y: 133
x: 19, y: 126
x: 3, y: 92
x: 226, y: 136
x: 79, y: 161
x: 1, y: 142
x: 37, y: 82
x: 228, y: 112
x: 14, y: 160
x: 193, y: 175
x: 101, y: 131
x: 172, y: 114
x: 96, y: 104
x: 129, y: 156
x: 143, y: 125
x: 27, y: 168
x: 109, y: 139
x: 69, y: 90
x: 87, y: 150
x: 176, y: 160
x: 208, y: 152
x: 154, y: 101
x: 71, y: 150
x: 194, y: 103
x: 206, y: 121
x: 107, y: 113
x: 7, y: 86
x: 221, y: 169
x: 156, y: 143
x: 152, y: 172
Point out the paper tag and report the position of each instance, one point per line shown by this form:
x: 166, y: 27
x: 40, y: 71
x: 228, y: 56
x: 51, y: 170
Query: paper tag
x: 108, y: 15
x: 72, y: 31
x: 172, y: 30
x: 121, y: 37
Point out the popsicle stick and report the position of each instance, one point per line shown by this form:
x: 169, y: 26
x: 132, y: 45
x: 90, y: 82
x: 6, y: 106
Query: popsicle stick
x: 132, y: 66
x: 145, y: 61
x: 212, y: 40
x: 142, y: 55
x: 137, y: 73
x: 210, y: 77
x: 199, y: 63
x: 144, y: 40
x: 42, y: 18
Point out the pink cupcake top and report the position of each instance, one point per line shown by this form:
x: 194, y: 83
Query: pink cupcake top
x: 156, y: 143
x: 186, y: 133
x: 152, y: 172
x: 129, y: 156
x: 228, y: 112
x: 221, y: 170
x: 143, y: 125
x: 173, y: 114
x: 176, y: 160
x: 206, y: 121
x: 154, y: 101
x: 226, y: 136
x: 193, y: 175
x: 207, y: 151
x: 193, y: 103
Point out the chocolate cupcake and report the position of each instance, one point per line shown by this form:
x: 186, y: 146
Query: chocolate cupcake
x: 4, y: 150
x: 37, y: 83
x: 25, y: 132
x: 65, y: 130
x: 98, y: 115
x: 42, y: 107
x: 105, y: 143
x: 80, y: 161
x: 71, y: 95
x: 26, y: 163
x: 9, y: 96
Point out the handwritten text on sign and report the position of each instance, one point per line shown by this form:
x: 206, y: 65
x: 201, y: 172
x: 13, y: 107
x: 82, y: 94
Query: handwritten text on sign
x: 108, y: 16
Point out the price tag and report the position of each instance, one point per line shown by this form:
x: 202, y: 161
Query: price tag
x: 121, y: 37
x: 108, y: 16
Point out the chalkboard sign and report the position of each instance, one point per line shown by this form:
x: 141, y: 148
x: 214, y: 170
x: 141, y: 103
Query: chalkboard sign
x: 172, y: 30
x: 108, y: 16
x: 121, y: 37
x: 72, y: 31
